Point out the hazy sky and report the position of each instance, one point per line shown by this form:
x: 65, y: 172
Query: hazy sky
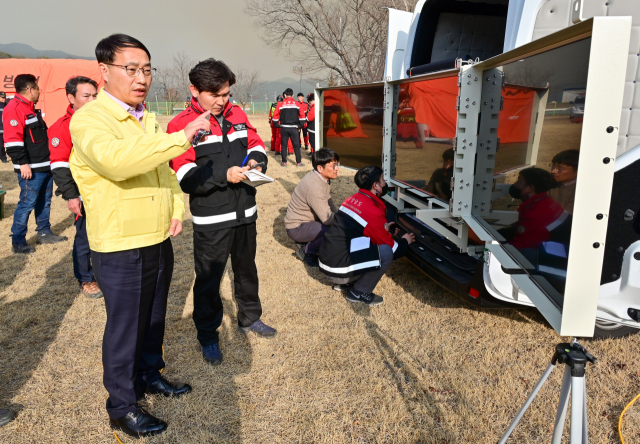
x: 202, y: 28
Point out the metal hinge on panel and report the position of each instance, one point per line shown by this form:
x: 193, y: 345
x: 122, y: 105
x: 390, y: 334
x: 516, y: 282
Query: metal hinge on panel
x: 501, y: 103
x: 498, y: 145
x: 458, y: 103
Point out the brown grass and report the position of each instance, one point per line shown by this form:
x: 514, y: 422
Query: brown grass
x: 422, y: 368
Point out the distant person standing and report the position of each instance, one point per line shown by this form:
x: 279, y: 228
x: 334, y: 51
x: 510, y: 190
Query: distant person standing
x: 289, y: 117
x: 305, y: 108
x: 80, y: 90
x: 26, y: 141
x: 3, y: 103
x: 311, y: 121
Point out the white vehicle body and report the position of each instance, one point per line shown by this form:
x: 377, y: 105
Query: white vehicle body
x: 526, y: 21
x: 442, y: 31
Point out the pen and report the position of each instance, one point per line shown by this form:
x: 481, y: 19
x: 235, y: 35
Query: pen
x: 245, y: 159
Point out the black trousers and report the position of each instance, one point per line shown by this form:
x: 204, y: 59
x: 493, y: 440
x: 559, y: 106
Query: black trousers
x: 3, y: 151
x: 312, y: 141
x: 135, y: 284
x: 211, y: 250
x: 294, y: 135
x: 81, y: 251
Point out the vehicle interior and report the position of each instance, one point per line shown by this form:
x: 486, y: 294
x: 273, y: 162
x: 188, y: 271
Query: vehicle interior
x: 451, y: 29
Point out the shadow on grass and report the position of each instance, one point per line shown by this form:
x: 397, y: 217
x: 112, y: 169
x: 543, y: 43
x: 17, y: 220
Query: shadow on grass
x: 212, y: 412
x: 404, y: 371
x: 29, y: 325
x: 426, y: 291
x: 8, y: 180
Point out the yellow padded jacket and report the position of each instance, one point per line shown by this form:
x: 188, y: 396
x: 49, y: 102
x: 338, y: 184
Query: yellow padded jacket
x: 128, y: 190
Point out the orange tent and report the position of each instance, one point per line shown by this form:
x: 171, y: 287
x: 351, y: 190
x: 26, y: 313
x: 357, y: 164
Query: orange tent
x: 343, y: 102
x: 52, y: 75
x: 434, y: 103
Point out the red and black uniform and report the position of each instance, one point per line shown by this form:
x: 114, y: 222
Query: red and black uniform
x: 25, y: 135
x: 289, y: 117
x: 311, y: 125
x: 276, y: 141
x: 60, y: 146
x: 350, y: 246
x: 305, y: 135
x: 224, y: 215
x: 537, y: 217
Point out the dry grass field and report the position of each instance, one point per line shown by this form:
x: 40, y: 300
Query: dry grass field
x: 423, y: 367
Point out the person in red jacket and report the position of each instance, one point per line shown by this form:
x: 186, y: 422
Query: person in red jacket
x: 25, y: 139
x: 305, y: 108
x: 224, y: 208
x: 538, y: 214
x: 311, y: 122
x: 276, y: 141
x: 359, y: 247
x: 289, y: 117
x: 80, y: 90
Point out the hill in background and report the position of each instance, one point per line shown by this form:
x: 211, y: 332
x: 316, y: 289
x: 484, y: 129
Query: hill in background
x: 278, y: 86
x: 21, y: 50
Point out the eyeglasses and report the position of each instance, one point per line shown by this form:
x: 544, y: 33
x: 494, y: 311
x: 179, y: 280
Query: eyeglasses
x: 557, y: 167
x: 334, y: 165
x: 132, y: 71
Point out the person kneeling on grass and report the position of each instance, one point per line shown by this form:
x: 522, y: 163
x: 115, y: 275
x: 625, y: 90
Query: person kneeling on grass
x: 311, y: 210
x: 358, y: 248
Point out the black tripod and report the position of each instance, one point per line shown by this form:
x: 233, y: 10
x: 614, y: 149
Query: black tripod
x: 575, y: 357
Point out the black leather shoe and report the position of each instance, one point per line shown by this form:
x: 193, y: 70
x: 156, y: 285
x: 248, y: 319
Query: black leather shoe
x: 163, y: 387
x: 6, y: 416
x: 138, y: 424
x: 22, y: 248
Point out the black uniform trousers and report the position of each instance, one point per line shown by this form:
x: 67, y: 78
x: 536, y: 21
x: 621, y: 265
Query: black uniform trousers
x: 211, y: 250
x: 135, y: 284
x: 294, y: 135
x: 312, y: 141
x: 81, y: 251
x: 3, y: 151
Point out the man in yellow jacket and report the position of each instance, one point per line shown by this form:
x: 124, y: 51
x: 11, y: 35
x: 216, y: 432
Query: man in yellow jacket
x: 133, y: 204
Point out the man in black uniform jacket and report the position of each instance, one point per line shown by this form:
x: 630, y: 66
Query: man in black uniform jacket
x: 224, y: 208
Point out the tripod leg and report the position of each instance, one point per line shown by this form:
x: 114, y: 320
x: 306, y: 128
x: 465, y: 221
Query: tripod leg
x: 527, y: 403
x: 561, y: 414
x: 577, y: 409
x: 585, y: 425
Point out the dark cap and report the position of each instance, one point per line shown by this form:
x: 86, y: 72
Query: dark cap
x: 3, y: 95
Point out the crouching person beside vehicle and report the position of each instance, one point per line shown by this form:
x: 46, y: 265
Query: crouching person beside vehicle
x: 311, y: 210
x: 358, y: 248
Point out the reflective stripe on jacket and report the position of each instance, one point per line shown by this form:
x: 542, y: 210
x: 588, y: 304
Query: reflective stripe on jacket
x: 129, y: 192
x: 202, y: 171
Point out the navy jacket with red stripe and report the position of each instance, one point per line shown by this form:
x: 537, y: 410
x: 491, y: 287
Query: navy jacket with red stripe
x: 202, y: 171
x: 350, y: 246
x: 60, y: 146
x: 25, y: 135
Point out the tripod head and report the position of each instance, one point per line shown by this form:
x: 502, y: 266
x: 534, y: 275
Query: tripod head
x: 574, y: 355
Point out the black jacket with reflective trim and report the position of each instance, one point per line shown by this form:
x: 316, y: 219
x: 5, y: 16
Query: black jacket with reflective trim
x: 202, y: 171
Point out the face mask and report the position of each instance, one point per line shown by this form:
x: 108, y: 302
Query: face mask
x: 515, y: 192
x: 385, y: 190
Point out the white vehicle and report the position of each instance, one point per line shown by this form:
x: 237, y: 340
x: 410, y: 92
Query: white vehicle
x: 470, y: 96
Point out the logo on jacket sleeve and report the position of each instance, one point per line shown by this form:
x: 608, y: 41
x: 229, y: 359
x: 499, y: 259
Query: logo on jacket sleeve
x: 55, y: 141
x: 240, y: 127
x: 13, y: 123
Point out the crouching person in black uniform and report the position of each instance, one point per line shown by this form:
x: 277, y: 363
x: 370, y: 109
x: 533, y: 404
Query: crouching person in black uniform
x: 358, y: 248
x: 223, y: 207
